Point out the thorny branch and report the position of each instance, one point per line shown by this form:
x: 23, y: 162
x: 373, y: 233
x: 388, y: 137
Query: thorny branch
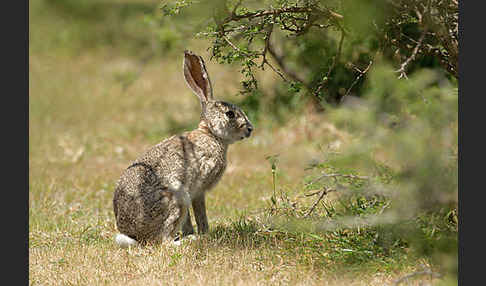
x: 234, y: 46
x: 294, y: 9
x: 296, y: 19
x: 436, y: 19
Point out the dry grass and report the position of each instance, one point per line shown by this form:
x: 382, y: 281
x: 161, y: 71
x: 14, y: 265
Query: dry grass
x: 84, y: 130
x: 197, y: 263
x: 86, y: 124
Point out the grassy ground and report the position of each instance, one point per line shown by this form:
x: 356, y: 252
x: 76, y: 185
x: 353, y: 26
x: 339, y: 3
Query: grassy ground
x: 93, y: 111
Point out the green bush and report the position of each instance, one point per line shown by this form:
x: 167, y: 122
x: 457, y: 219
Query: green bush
x: 399, y: 178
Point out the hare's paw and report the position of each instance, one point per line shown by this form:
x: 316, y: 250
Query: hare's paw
x: 185, y: 239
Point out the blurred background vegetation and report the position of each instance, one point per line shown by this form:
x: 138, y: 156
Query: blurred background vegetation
x: 385, y: 72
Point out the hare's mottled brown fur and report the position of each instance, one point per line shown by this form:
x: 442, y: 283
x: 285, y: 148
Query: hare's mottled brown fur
x: 153, y: 196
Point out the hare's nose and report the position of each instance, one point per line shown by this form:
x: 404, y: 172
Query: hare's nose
x: 249, y: 129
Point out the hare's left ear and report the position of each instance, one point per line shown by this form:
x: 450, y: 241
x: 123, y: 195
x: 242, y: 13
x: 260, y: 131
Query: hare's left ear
x: 197, y: 77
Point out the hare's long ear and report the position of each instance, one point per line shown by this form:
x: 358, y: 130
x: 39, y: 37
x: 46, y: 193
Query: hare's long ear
x: 197, y: 77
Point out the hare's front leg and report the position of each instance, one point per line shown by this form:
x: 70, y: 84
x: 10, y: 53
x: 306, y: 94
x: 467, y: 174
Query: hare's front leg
x: 199, y: 207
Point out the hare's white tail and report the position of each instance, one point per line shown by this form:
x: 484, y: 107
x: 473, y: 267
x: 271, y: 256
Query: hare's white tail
x: 124, y: 241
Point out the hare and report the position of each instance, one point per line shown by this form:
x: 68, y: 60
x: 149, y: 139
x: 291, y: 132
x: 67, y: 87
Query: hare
x: 153, y: 195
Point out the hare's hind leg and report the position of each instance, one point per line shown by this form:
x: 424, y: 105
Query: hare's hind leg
x: 177, y: 215
x: 187, y: 228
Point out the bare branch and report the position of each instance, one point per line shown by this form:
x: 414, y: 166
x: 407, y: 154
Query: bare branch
x: 264, y: 54
x: 403, y: 66
x: 361, y: 74
x: 323, y: 192
x: 276, y: 71
x: 267, y: 44
x: 280, y: 61
x: 313, y: 194
x: 331, y: 68
x: 418, y: 273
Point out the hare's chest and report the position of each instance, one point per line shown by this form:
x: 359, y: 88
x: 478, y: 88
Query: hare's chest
x: 211, y: 169
x: 208, y: 162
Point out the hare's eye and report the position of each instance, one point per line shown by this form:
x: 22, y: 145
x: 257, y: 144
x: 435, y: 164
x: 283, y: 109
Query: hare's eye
x: 230, y: 114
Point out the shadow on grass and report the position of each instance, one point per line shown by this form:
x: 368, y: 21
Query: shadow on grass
x: 348, y: 250
x: 242, y: 233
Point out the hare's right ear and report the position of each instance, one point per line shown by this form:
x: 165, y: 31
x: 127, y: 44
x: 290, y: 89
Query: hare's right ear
x: 197, y: 77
